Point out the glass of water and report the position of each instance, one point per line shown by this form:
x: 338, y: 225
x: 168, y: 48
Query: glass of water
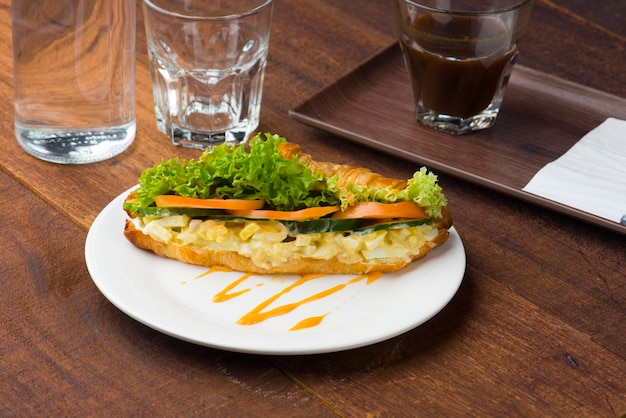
x: 74, y: 78
x: 207, y: 59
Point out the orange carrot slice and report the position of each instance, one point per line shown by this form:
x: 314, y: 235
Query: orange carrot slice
x: 280, y: 215
x: 376, y: 210
x: 174, y: 201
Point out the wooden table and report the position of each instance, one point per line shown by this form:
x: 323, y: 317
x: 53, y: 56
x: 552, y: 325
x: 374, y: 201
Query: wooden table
x: 538, y: 327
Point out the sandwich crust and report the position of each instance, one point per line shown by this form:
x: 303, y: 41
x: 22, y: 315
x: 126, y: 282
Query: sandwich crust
x: 346, y: 174
x: 297, y: 264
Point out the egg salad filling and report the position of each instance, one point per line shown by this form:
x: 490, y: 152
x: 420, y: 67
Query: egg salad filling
x: 269, y: 243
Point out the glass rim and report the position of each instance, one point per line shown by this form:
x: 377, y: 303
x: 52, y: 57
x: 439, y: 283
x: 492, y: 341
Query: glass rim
x: 262, y: 5
x: 451, y: 11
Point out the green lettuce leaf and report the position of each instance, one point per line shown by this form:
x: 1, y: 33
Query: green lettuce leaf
x: 422, y: 188
x: 255, y: 172
x: 259, y: 171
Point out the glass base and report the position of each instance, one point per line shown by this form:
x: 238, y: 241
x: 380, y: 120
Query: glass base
x: 457, y: 125
x: 186, y: 138
x: 66, y: 146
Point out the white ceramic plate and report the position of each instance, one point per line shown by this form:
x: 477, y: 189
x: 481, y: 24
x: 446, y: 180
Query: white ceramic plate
x: 178, y: 299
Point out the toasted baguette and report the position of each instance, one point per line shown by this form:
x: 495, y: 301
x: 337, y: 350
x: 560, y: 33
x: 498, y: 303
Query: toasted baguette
x: 297, y: 263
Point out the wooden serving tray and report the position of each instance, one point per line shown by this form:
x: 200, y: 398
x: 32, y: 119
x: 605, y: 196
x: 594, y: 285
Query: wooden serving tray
x: 541, y: 118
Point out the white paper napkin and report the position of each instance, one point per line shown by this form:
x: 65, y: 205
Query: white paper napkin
x: 591, y: 176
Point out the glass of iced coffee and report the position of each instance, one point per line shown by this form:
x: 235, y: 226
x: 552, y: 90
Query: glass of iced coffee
x: 459, y: 55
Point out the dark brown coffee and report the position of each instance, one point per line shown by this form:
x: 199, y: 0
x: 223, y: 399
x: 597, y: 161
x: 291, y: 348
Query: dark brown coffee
x: 457, y: 62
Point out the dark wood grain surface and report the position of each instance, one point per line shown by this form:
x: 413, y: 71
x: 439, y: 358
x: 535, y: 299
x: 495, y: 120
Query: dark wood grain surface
x: 538, y: 327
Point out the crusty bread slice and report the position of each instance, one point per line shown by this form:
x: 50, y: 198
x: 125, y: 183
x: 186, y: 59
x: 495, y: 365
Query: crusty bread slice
x: 297, y: 264
x: 345, y: 173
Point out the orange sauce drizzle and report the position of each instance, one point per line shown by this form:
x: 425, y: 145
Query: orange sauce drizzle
x: 214, y: 269
x: 372, y: 277
x: 226, y: 294
x: 255, y: 316
x: 308, y: 322
x: 258, y: 314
